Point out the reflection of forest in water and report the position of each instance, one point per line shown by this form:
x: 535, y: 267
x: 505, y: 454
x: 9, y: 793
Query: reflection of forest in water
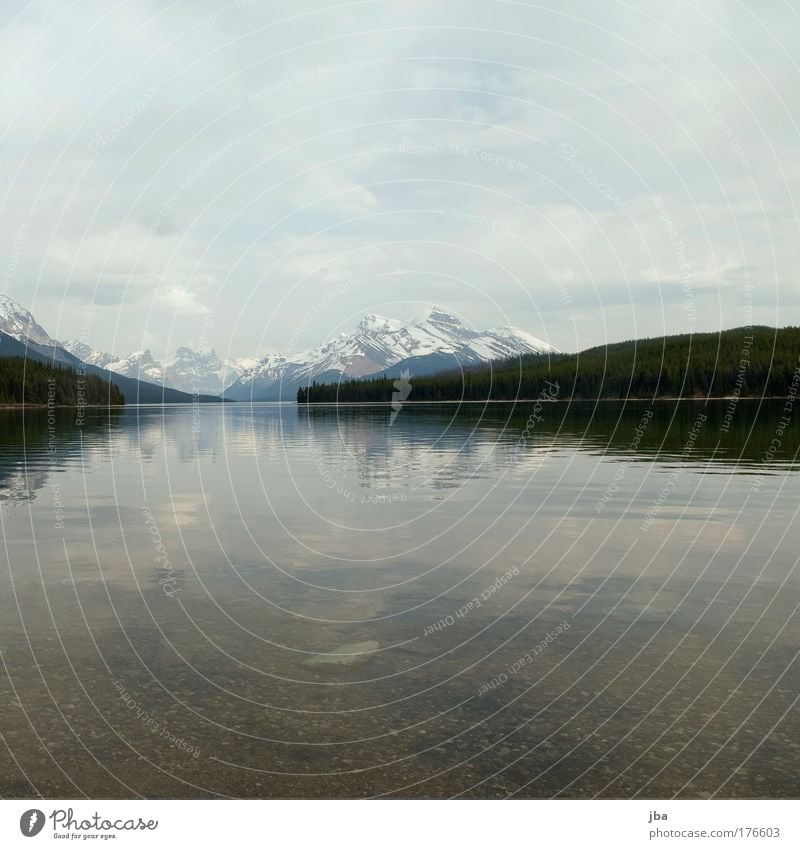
x: 442, y: 442
x: 35, y: 443
x: 746, y: 433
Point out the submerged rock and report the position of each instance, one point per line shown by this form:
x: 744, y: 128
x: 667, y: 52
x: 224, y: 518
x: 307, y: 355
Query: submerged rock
x: 344, y: 655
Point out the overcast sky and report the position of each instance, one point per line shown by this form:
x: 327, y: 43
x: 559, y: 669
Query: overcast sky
x: 255, y: 176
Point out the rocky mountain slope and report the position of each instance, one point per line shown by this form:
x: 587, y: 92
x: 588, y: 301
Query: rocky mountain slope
x: 435, y: 341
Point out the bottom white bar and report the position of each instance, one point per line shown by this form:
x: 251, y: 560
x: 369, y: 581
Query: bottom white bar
x: 389, y: 824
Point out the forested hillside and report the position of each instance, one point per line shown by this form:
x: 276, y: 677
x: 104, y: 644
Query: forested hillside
x: 27, y: 381
x: 744, y: 361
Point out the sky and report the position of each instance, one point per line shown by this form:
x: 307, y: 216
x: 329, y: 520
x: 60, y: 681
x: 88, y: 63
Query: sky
x: 255, y: 176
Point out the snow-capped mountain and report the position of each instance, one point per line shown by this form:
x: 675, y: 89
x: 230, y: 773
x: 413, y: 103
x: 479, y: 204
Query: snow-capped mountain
x: 17, y: 322
x: 22, y: 336
x: 203, y: 371
x: 85, y: 353
x: 188, y: 371
x: 140, y: 365
x: 433, y: 342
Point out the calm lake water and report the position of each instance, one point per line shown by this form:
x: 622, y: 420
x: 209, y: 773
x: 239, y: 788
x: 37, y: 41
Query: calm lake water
x: 271, y: 601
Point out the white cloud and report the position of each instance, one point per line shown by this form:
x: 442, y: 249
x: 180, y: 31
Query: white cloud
x: 180, y: 300
x: 251, y: 150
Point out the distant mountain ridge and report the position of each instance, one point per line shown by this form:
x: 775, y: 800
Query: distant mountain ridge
x: 187, y: 371
x: 22, y: 336
x: 433, y: 342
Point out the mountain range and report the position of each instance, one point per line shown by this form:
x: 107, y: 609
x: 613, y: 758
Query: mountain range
x: 187, y: 371
x: 433, y: 342
x: 22, y: 336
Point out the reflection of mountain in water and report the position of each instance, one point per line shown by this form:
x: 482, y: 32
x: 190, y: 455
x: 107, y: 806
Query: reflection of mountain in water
x: 18, y: 485
x: 662, y: 432
x: 434, y: 446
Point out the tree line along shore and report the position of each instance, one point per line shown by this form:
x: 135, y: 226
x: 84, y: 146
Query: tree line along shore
x: 30, y: 383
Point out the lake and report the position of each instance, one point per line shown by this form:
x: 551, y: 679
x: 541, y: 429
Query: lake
x: 547, y: 600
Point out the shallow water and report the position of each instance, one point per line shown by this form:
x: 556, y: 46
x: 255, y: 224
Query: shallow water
x: 573, y: 600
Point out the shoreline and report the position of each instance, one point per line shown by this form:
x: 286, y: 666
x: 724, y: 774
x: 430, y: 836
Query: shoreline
x: 22, y: 405
x: 215, y: 404
x: 693, y: 400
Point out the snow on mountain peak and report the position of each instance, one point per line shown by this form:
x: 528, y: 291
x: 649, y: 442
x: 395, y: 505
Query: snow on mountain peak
x: 380, y: 343
x: 438, y: 316
x: 527, y: 340
x: 434, y: 340
x: 16, y: 321
x: 186, y: 351
x: 188, y: 370
x: 80, y: 349
x: 187, y: 355
x: 373, y: 323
